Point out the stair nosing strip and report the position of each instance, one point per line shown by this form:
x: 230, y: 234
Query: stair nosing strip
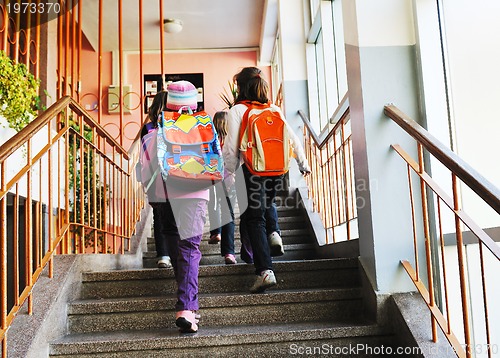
x: 208, y: 270
x: 211, y: 337
x: 139, y: 304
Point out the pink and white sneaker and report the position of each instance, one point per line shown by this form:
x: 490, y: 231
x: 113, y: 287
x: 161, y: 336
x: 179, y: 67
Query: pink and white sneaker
x: 214, y: 239
x: 229, y: 259
x: 187, y: 321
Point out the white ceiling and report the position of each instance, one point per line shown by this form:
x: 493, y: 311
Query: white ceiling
x: 208, y: 24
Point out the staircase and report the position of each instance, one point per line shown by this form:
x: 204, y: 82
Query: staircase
x: 317, y: 307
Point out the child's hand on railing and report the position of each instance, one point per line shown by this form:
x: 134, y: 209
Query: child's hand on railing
x: 305, y: 172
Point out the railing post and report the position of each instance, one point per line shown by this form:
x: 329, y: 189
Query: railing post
x: 428, y: 256
x: 329, y: 207
x: 66, y: 186
x: 29, y: 230
x: 322, y: 187
x: 105, y: 208
x: 17, y: 25
x: 461, y: 268
x: 15, y: 244
x: 414, y: 226
x: 82, y: 190
x: 3, y: 259
x: 5, y: 29
x: 28, y: 39
x: 337, y: 219
x: 95, y: 165
x: 50, y: 225
x: 67, y: 53
x: 117, y: 188
x: 120, y: 62
x: 346, y: 181
x: 485, y: 302
x: 114, y: 208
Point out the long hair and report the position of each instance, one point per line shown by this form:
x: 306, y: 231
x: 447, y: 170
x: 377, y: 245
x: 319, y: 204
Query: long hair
x: 251, y: 85
x: 220, y: 124
x: 157, y: 106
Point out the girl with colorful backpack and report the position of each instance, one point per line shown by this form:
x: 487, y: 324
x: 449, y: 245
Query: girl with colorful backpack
x: 183, y: 217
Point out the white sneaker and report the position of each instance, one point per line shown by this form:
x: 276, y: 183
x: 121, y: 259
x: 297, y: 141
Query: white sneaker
x: 265, y: 280
x: 275, y: 244
x: 164, y: 262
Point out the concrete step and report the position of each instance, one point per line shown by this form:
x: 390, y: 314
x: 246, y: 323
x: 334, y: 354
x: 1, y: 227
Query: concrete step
x: 212, y: 255
x: 272, y: 340
x: 289, y: 237
x: 332, y: 305
x: 222, y: 278
x: 292, y: 221
x: 315, y: 309
x: 287, y: 220
x: 286, y: 217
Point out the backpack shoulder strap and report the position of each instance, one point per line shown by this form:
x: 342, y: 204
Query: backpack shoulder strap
x: 153, y: 177
x: 244, y: 120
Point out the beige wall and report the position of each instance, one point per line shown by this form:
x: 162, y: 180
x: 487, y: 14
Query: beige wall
x: 217, y: 67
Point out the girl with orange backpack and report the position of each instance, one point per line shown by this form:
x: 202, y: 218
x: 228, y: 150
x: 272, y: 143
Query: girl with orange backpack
x: 262, y: 152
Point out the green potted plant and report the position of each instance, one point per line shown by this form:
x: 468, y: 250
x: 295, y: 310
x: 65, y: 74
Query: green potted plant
x: 18, y: 93
x: 92, y: 214
x: 229, y: 97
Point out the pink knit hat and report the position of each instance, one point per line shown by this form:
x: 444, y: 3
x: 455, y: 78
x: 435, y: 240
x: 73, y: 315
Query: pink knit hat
x: 182, y: 94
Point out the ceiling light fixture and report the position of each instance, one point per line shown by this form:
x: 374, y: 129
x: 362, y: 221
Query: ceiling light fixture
x: 172, y: 26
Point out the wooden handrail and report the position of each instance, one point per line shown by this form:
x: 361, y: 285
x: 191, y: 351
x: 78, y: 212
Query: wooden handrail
x: 331, y: 186
x: 91, y: 193
x: 486, y: 191
x: 317, y: 140
x: 480, y: 185
x: 75, y: 106
x: 310, y: 129
x: 14, y: 143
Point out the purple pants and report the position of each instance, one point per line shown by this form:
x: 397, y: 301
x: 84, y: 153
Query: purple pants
x: 185, y: 221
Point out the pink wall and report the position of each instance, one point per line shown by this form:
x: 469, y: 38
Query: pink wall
x: 217, y: 67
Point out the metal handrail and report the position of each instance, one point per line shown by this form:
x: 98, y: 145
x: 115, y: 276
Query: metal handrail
x: 69, y: 181
x: 18, y: 140
x: 473, y: 179
x: 433, y: 221
x: 331, y: 183
x: 318, y: 142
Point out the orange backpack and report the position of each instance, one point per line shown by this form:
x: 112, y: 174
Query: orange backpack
x: 264, y: 141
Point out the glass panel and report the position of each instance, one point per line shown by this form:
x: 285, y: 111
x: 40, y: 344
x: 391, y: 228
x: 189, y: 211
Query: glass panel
x: 321, y: 80
x: 338, y: 33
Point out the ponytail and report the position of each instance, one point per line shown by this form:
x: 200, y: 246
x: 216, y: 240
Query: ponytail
x: 251, y: 86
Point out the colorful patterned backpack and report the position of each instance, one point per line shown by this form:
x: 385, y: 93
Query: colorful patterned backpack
x: 189, y: 152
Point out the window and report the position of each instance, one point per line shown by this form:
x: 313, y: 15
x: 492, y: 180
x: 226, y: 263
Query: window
x: 321, y: 80
x: 276, y: 69
x: 313, y: 7
x: 327, y: 79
